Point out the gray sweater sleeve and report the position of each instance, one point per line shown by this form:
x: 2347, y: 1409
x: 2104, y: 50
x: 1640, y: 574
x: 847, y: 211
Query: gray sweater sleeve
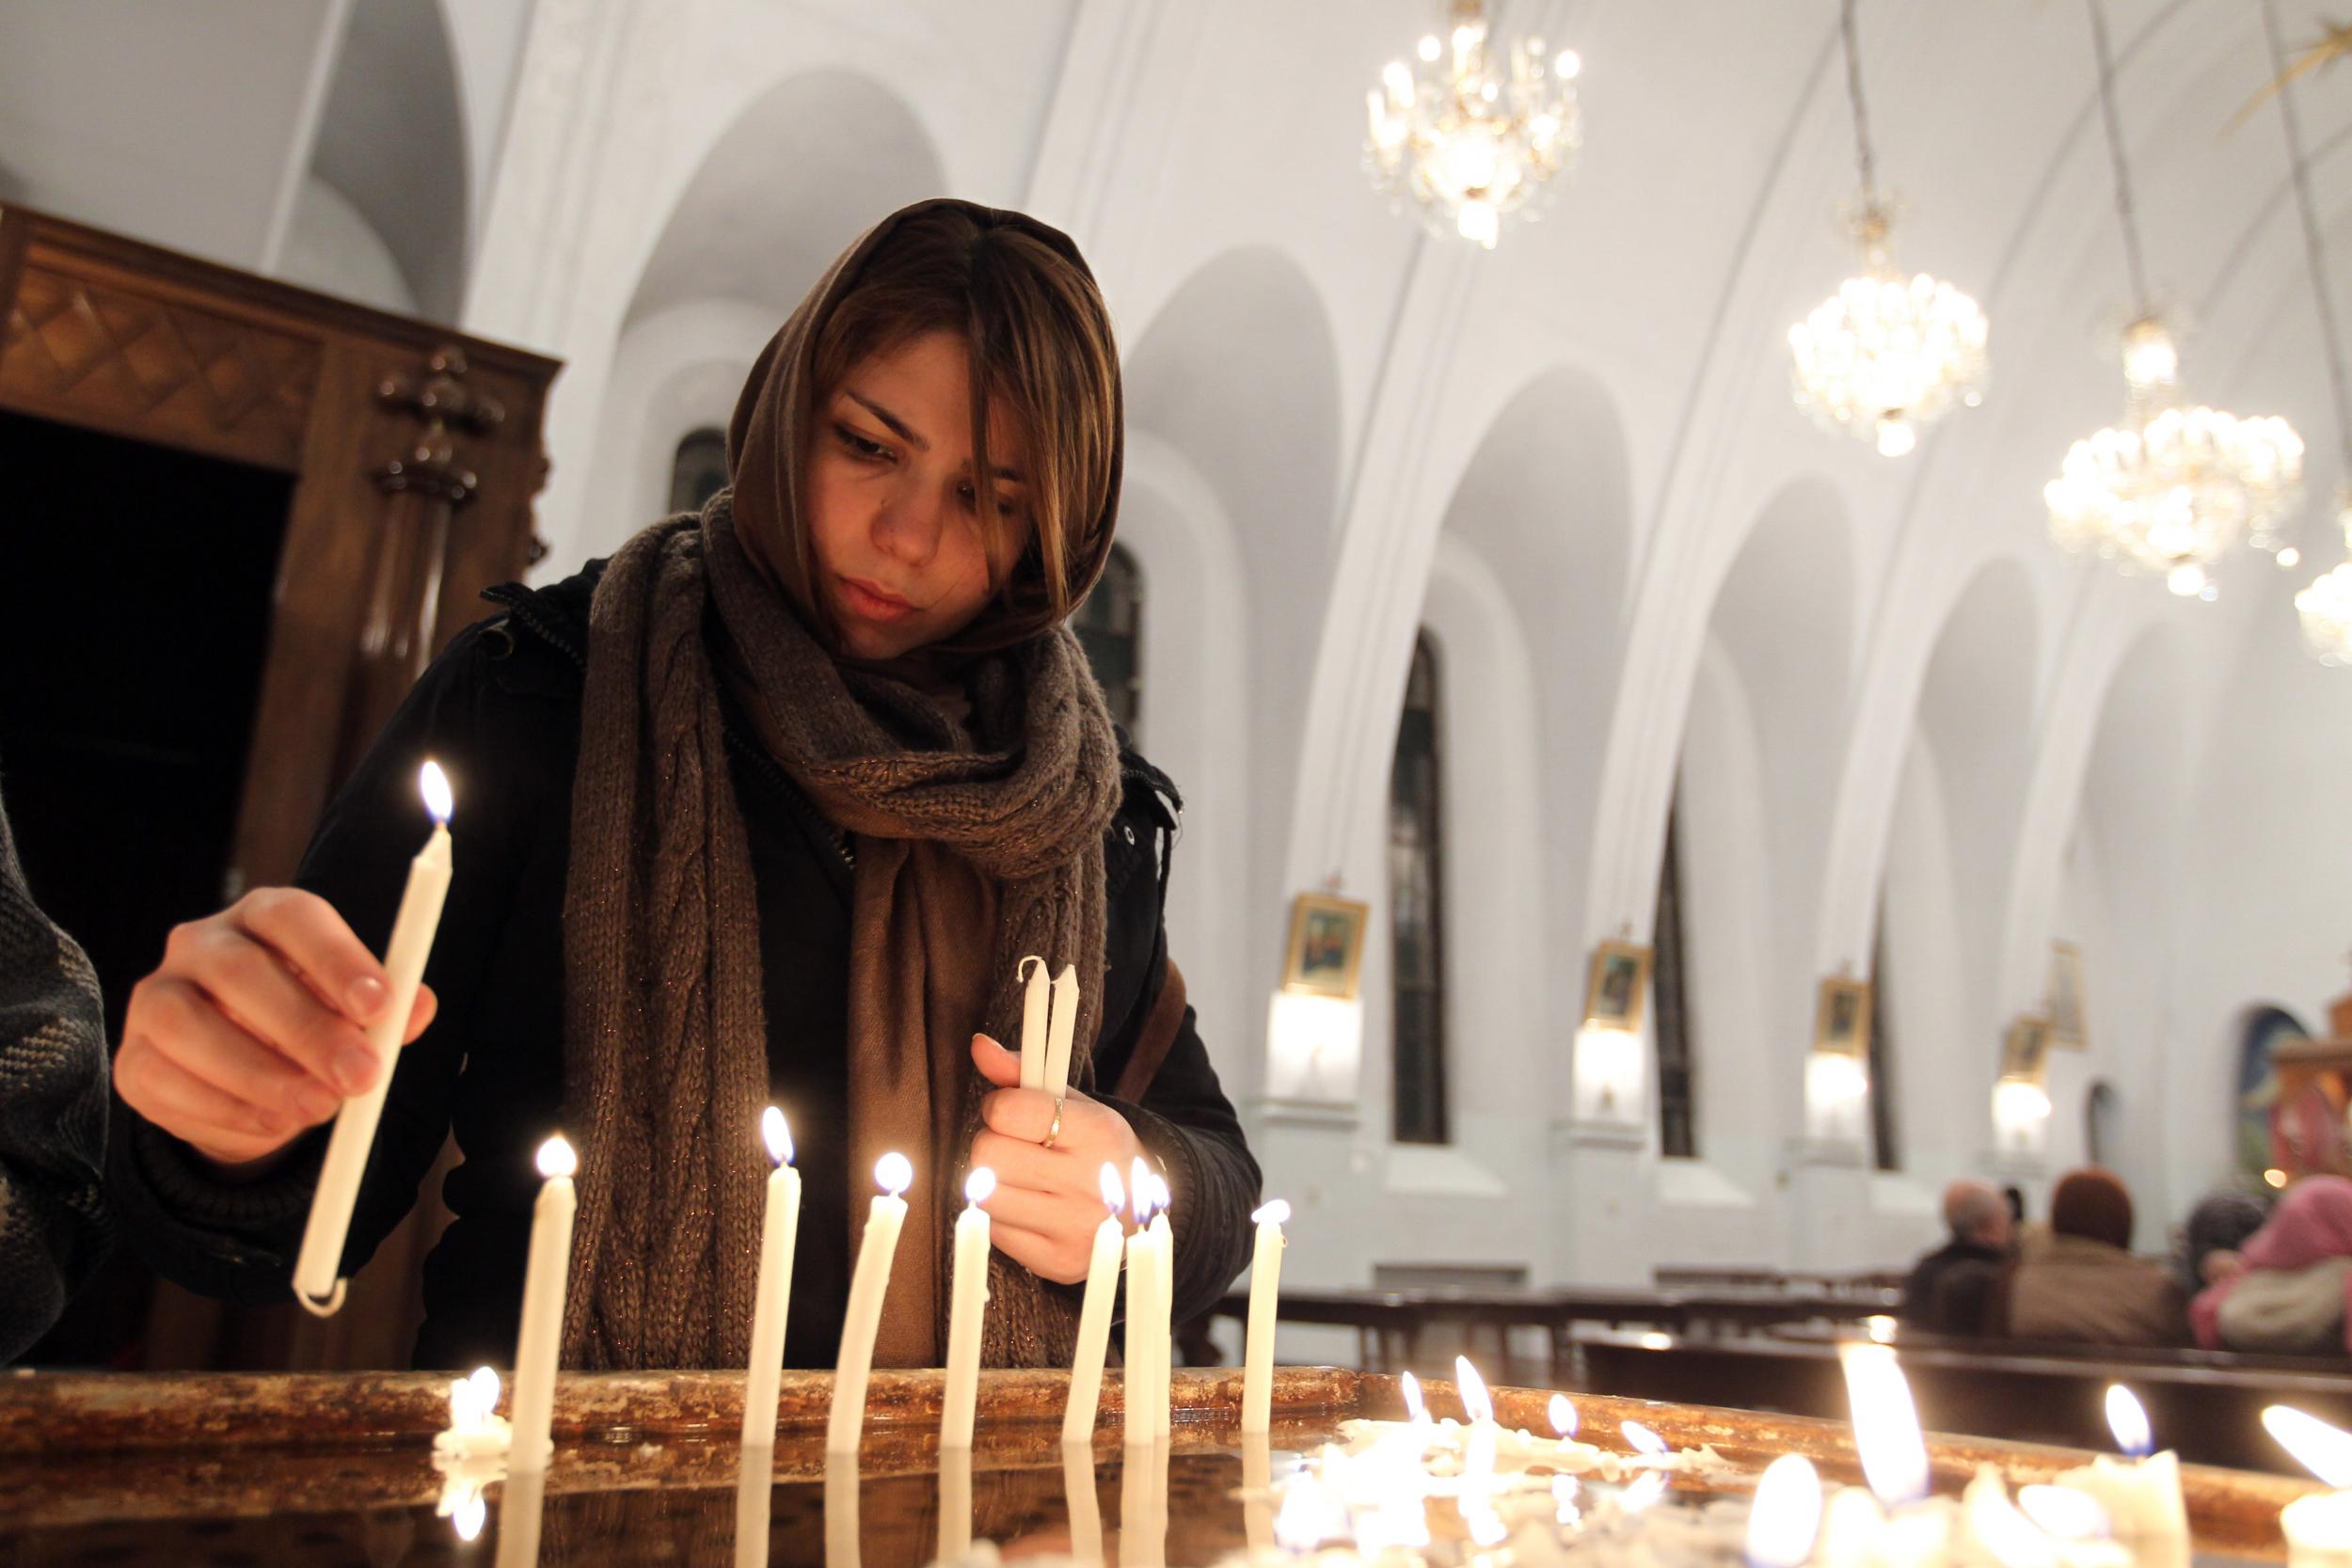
x: 52, y: 1113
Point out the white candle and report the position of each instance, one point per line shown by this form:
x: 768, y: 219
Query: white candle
x: 967, y: 1310
x: 841, y: 1510
x: 1034, y: 1000
x: 771, y: 1310
x: 1058, y: 1034
x: 1163, y: 1312
x: 2318, y: 1528
x: 1266, y: 1288
x: 1785, y: 1517
x: 1094, y: 1318
x: 317, y: 1282
x: 755, y: 1489
x: 2141, y: 1495
x: 522, y: 1502
x: 955, y: 1503
x: 1137, y: 1384
x: 540, y: 1343
x: 1257, y: 1493
x: 894, y: 1174
x: 475, y: 1429
x: 1086, y: 1509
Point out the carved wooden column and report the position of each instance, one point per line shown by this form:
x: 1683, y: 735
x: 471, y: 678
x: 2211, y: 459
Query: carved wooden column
x: 426, y: 485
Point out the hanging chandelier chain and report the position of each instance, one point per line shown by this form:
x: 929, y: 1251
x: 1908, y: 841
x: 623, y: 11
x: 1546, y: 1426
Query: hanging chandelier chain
x: 2315, y: 243
x: 1862, y: 155
x: 2123, y: 206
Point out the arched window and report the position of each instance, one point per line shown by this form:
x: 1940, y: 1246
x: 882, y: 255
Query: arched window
x: 1110, y: 627
x: 1678, y: 1064
x: 1417, y: 910
x: 1886, y: 1147
x: 699, y: 471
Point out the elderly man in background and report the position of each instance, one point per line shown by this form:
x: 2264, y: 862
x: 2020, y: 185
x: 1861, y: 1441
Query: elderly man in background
x: 1950, y: 1287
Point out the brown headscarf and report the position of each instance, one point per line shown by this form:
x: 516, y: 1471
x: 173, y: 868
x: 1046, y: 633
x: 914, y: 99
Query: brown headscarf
x: 978, y: 840
x: 2092, y: 1204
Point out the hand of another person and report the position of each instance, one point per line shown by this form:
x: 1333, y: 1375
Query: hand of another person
x: 1048, y: 1201
x: 253, y: 1028
x: 2222, y: 1265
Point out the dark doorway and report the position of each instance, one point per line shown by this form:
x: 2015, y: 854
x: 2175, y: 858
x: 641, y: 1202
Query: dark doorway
x: 133, y: 615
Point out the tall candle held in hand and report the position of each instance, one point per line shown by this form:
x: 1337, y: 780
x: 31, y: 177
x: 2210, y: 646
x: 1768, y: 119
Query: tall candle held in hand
x: 967, y: 1307
x: 1137, y: 1385
x: 1036, y: 1001
x: 1266, y: 1287
x: 1059, y: 1035
x: 541, y: 1340
x: 1094, y: 1318
x: 894, y: 1174
x: 779, y: 1237
x: 317, y: 1269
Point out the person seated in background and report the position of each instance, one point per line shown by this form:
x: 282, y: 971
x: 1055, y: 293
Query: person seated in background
x: 52, y: 1113
x: 2288, y: 1295
x: 2083, y: 1282
x: 2216, y: 1227
x: 1950, y: 1287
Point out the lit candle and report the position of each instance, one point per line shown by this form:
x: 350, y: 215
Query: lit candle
x: 1256, y: 1494
x: 475, y: 1428
x: 1137, y: 1384
x: 1266, y: 1289
x: 317, y: 1282
x: 522, y: 1503
x: 967, y: 1307
x: 2141, y: 1495
x: 1856, y: 1529
x: 1094, y: 1318
x: 894, y: 1173
x: 1786, y: 1516
x: 2317, y: 1527
x: 1059, y: 1032
x: 779, y: 1236
x: 1478, y: 1451
x: 545, y: 1277
x: 1035, y: 1000
x: 1163, y: 1313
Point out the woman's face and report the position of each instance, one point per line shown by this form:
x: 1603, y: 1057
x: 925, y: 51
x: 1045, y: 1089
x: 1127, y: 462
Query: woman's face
x: 894, y: 510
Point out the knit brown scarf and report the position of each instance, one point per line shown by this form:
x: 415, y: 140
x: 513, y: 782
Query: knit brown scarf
x: 978, y: 840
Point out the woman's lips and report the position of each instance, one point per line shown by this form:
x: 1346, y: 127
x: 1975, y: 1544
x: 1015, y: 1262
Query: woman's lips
x: 870, y: 602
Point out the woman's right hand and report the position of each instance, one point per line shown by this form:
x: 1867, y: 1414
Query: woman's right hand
x: 253, y: 1030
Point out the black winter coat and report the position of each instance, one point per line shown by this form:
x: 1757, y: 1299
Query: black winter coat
x: 500, y: 710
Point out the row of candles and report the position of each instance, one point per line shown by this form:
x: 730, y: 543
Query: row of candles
x: 1049, y: 1020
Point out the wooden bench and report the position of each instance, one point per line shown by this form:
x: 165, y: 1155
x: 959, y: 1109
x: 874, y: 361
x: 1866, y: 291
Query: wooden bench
x: 2204, y: 1405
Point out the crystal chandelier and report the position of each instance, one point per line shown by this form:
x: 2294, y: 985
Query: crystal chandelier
x: 1469, y: 143
x: 1885, y: 354
x: 2174, y: 488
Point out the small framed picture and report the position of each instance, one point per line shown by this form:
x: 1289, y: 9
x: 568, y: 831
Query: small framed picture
x: 2025, y: 1050
x: 1617, y: 991
x: 2067, y: 1026
x: 1327, y: 946
x: 1841, y: 1019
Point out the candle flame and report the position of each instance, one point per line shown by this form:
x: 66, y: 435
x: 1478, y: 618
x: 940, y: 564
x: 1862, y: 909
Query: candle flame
x: 1162, y: 1199
x: 1655, y: 1339
x: 1565, y: 1419
x: 2064, y: 1512
x: 434, y: 785
x: 1880, y: 1327
x: 1886, y: 1424
x: 2007, y: 1534
x: 1642, y: 1439
x: 485, y: 1388
x: 894, y: 1173
x: 778, y: 1135
x: 1476, y: 1402
x: 1139, y: 1190
x: 557, y: 1159
x: 1114, y: 1196
x: 2324, y: 1451
x: 977, y: 1185
x: 1276, y: 1213
x: 1787, y: 1515
x: 2129, y: 1423
x: 1414, y: 1409
x: 471, y: 1516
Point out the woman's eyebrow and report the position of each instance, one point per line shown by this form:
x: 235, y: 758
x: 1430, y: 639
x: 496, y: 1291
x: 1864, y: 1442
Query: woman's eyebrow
x: 905, y: 431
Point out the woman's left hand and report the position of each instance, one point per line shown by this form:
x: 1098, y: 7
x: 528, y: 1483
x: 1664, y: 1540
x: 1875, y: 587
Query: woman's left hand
x: 1048, y: 1201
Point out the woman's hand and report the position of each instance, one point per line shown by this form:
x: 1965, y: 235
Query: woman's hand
x: 1048, y: 1201
x: 253, y: 1029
